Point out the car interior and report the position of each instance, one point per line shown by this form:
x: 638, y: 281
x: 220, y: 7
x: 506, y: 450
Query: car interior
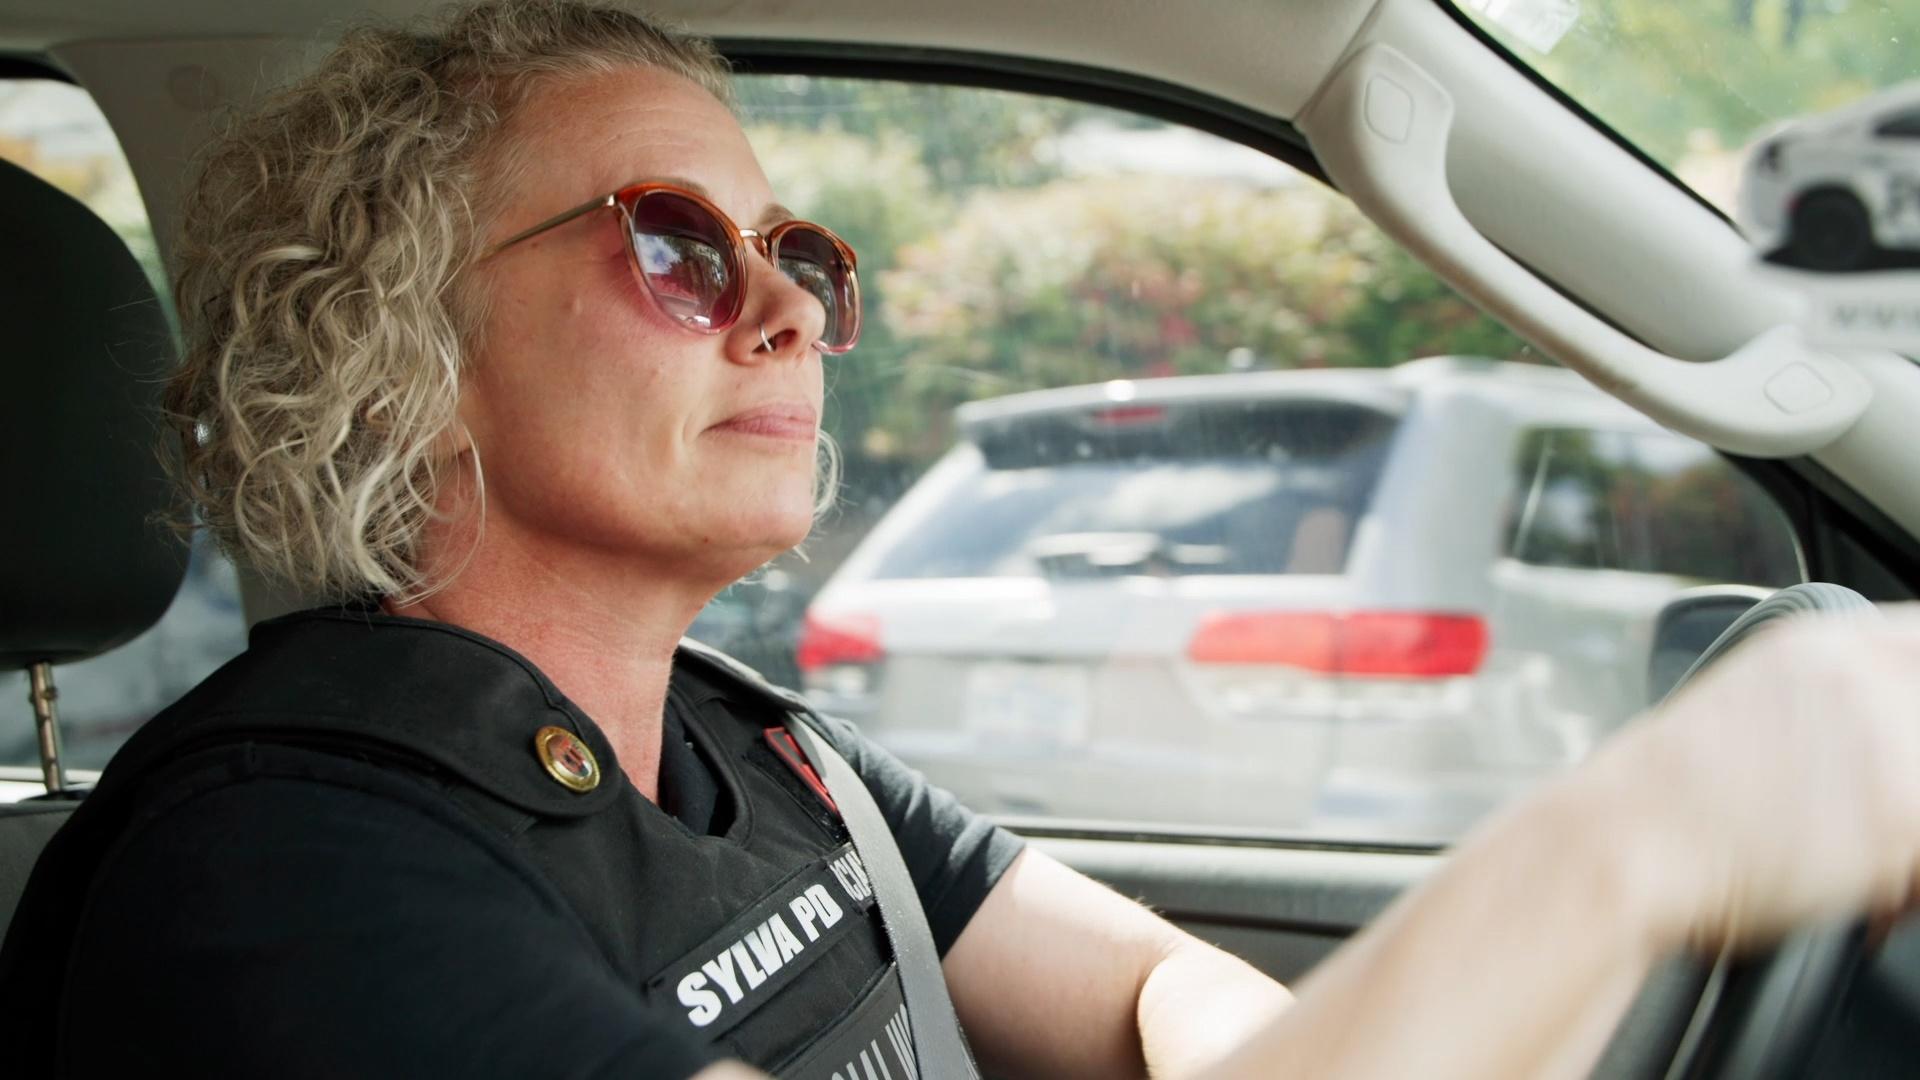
x: 1416, y: 113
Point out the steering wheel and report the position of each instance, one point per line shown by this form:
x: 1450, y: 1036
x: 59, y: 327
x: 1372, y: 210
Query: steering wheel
x: 1759, y: 1016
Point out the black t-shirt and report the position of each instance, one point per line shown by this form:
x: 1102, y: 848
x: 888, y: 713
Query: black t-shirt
x: 292, y: 908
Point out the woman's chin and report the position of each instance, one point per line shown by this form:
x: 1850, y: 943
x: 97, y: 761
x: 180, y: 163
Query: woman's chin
x: 778, y: 506
x: 770, y: 533
x: 759, y: 516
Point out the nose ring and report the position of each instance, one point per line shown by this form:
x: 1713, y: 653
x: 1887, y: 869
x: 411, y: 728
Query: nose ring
x: 763, y: 338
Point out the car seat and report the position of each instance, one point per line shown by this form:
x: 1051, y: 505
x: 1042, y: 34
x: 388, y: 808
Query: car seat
x: 85, y: 564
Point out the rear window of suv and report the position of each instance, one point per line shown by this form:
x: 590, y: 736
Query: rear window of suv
x: 1145, y: 488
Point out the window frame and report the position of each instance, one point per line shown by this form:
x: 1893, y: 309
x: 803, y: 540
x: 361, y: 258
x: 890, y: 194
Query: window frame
x: 991, y: 71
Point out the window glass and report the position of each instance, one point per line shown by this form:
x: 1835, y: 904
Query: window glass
x: 1645, y: 503
x: 54, y: 130
x: 1906, y: 125
x: 1175, y: 495
x: 1107, y: 491
x: 1695, y: 84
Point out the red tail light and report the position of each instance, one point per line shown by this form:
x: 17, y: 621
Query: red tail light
x: 838, y: 639
x: 1401, y: 643
x: 1124, y: 415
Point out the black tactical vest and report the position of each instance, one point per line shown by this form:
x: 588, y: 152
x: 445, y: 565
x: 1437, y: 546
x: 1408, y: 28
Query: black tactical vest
x: 764, y: 939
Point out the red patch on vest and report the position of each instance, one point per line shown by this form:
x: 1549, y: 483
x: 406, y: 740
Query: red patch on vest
x: 789, y: 751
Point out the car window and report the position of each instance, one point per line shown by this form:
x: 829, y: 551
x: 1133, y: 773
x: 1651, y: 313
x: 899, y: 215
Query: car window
x: 1174, y: 495
x: 1904, y: 125
x: 1645, y: 503
x: 1693, y: 85
x: 53, y: 130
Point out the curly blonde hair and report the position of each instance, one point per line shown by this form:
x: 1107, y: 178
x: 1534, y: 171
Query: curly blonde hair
x: 320, y: 265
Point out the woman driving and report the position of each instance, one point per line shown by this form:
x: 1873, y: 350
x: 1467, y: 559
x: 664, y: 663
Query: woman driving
x: 499, y: 341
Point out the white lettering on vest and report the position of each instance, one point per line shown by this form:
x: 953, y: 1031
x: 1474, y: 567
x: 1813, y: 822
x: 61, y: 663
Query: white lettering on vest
x: 789, y: 945
x: 870, y: 1065
x: 720, y: 969
x: 804, y: 913
x: 747, y: 964
x: 753, y: 974
x: 703, y: 1005
x: 851, y: 873
x: 824, y: 904
x: 761, y: 944
x: 901, y: 1037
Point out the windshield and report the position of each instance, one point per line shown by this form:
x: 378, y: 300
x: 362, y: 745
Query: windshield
x: 1693, y: 82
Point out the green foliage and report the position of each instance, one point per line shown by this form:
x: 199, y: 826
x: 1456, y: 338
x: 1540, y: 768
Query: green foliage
x: 1083, y: 280
x: 967, y: 138
x: 1404, y: 311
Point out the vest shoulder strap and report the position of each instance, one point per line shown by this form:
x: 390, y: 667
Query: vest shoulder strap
x: 938, y: 1042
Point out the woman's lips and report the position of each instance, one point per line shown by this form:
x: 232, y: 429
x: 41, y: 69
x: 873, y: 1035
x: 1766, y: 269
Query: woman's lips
x: 798, y: 423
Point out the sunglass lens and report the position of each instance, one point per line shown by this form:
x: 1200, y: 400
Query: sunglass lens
x: 686, y: 261
x: 811, y: 258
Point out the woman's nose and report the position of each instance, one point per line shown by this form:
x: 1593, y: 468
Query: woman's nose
x: 782, y: 319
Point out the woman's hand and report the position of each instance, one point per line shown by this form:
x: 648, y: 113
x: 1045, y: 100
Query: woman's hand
x: 1782, y: 787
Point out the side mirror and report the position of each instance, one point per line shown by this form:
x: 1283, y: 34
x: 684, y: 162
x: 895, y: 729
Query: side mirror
x: 1691, y: 621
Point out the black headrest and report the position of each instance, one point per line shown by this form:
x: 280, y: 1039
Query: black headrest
x: 84, y: 347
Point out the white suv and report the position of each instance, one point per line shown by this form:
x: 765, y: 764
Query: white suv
x: 1292, y: 600
x: 1840, y: 190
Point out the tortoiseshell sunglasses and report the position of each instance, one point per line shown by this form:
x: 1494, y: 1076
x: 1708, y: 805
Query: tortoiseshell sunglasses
x: 692, y: 259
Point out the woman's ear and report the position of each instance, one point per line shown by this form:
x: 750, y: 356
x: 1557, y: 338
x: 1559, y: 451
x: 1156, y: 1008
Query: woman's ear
x: 456, y: 458
x: 456, y: 442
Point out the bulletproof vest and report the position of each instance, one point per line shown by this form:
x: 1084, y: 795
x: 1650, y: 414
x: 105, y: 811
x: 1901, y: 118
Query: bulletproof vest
x: 761, y: 935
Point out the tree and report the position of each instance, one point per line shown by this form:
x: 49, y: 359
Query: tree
x: 967, y: 138
x: 1140, y: 276
x: 1404, y: 311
